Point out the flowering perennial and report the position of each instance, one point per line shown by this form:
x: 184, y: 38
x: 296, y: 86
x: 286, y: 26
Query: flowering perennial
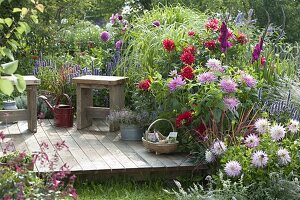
x: 259, y: 159
x: 185, y: 118
x: 277, y: 132
x: 249, y: 80
x: 252, y: 141
x: 228, y: 85
x: 144, y: 84
x: 187, y: 58
x: 293, y: 126
x: 223, y: 38
x: 262, y: 125
x: 175, y: 83
x: 209, y: 156
x: 187, y: 72
x: 231, y: 103
x: 169, y: 45
x: 206, y: 77
x: 212, y: 25
x: 104, y: 36
x: 233, y: 168
x: 283, y: 156
x: 257, y: 50
x: 218, y: 148
x: 211, y: 44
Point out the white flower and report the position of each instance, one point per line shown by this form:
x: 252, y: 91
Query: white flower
x: 173, y: 73
x: 293, y: 126
x: 283, y: 156
x: 259, y: 159
x: 262, y: 125
x: 209, y: 156
x: 233, y: 168
x: 213, y: 63
x: 251, y: 141
x: 64, y: 21
x: 277, y: 132
x: 218, y: 147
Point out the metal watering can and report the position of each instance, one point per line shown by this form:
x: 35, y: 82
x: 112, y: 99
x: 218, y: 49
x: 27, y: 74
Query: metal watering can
x: 63, y: 114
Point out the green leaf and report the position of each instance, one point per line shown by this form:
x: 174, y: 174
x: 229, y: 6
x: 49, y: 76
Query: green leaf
x: 40, y: 7
x: 8, y: 53
x: 6, y: 86
x: 34, y: 18
x: 20, y: 83
x: 11, y: 67
x: 17, y: 10
x: 24, y: 11
x: 8, y: 21
x: 2, y: 21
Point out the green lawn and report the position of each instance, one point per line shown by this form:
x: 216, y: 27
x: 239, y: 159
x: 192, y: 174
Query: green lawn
x: 123, y: 189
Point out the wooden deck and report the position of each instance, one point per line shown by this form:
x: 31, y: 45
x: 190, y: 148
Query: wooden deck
x: 95, y: 151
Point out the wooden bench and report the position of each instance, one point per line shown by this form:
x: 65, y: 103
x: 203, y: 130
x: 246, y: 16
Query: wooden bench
x: 85, y: 110
x: 29, y: 114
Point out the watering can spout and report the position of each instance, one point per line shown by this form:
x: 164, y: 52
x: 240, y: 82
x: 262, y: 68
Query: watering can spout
x: 47, y: 102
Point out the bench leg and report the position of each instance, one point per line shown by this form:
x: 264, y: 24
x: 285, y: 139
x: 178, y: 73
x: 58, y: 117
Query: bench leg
x: 116, y: 102
x: 84, y: 100
x: 32, y: 108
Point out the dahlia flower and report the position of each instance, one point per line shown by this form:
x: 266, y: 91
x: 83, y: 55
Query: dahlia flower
x: 233, y: 168
x: 218, y: 147
x: 293, y: 126
x: 201, y: 132
x: 191, y: 33
x: 187, y: 73
x: 211, y: 44
x: 209, y: 156
x: 169, y: 45
x: 191, y: 49
x: 249, y: 80
x: 241, y: 38
x: 251, y: 141
x: 259, y: 159
x: 228, y: 85
x: 283, y: 156
x: 262, y: 125
x: 277, y: 132
x: 185, y: 118
x: 206, y: 77
x: 175, y: 83
x: 212, y: 25
x: 213, y: 63
x: 231, y: 103
x: 187, y: 58
x: 144, y: 84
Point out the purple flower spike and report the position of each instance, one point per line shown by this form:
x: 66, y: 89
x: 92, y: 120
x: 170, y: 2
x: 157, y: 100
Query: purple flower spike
x: 156, y: 23
x: 105, y: 36
x: 223, y: 38
x: 119, y: 44
x: 257, y: 50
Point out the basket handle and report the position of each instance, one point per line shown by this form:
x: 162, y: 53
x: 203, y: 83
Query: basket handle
x: 158, y: 121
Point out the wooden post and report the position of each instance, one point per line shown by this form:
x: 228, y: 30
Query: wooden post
x: 116, y: 102
x: 84, y: 100
x: 32, y: 108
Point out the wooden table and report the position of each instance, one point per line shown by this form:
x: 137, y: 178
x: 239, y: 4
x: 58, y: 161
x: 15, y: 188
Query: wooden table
x: 85, y: 110
x: 29, y: 114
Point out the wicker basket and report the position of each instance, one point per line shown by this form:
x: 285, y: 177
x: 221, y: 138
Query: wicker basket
x: 159, y: 148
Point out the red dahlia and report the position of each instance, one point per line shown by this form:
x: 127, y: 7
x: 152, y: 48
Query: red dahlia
x: 144, y: 84
x: 187, y: 58
x: 191, y: 33
x: 241, y: 38
x: 169, y: 45
x: 187, y: 72
x: 201, y: 132
x: 190, y: 49
x: 210, y: 44
x: 185, y: 118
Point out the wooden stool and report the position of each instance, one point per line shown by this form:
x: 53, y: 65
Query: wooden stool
x: 29, y: 114
x: 85, y: 109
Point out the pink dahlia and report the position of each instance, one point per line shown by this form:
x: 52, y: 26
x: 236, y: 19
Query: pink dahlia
x: 228, y: 85
x: 233, y: 168
x: 191, y: 49
x: 212, y: 25
x: 251, y: 141
x: 231, y: 103
x: 259, y: 159
x: 206, y: 77
x: 249, y: 80
x: 176, y: 83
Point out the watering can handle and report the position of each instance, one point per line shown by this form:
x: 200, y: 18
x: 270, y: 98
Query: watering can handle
x: 62, y: 95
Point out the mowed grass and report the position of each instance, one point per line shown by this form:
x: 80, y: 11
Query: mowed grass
x: 115, y: 189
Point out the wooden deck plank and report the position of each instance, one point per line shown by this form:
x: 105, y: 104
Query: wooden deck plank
x: 31, y: 143
x: 89, y: 151
x: 65, y: 154
x: 101, y: 149
x: 114, y: 137
x: 112, y: 148
x: 17, y: 139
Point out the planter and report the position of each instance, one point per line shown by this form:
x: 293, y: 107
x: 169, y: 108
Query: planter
x: 9, y: 105
x: 131, y: 132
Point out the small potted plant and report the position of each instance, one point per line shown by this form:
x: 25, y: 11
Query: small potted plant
x: 132, y: 123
